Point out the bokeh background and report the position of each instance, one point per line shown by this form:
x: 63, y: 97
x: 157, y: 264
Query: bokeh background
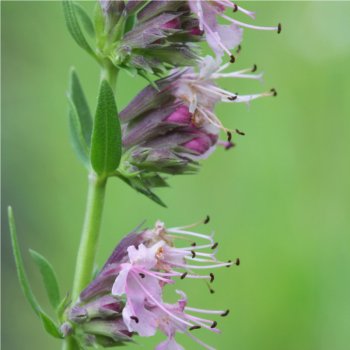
x: 280, y: 200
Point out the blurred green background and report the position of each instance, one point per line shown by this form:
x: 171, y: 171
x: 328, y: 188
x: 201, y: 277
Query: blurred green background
x: 280, y: 200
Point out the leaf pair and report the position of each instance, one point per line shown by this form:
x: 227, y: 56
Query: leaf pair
x: 49, y: 279
x: 97, y: 143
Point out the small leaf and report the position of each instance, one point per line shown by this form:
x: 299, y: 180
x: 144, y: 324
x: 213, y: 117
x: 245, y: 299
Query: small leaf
x: 63, y: 304
x: 80, y: 119
x: 130, y: 22
x: 49, y: 278
x: 73, y: 26
x: 50, y: 326
x: 99, y: 19
x: 22, y: 276
x: 106, y: 135
x: 138, y: 184
x: 85, y: 19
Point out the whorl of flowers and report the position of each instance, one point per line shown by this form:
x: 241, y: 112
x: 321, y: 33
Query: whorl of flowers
x: 171, y: 124
x: 127, y: 297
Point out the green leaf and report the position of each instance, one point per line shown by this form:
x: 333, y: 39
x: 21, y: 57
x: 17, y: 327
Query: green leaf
x: 63, y: 304
x: 50, y: 326
x: 106, y: 147
x: 49, y: 278
x: 69, y: 10
x: 22, y: 276
x: 138, y: 184
x: 85, y: 19
x: 80, y: 119
x: 130, y: 22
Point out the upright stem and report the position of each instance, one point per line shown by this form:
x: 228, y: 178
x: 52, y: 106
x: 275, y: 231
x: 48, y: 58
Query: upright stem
x: 88, y: 242
x: 89, y: 238
x: 92, y: 223
x: 110, y: 73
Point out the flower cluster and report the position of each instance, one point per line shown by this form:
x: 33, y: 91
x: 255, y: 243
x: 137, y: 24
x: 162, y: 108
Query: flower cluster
x: 171, y: 124
x: 156, y: 35
x: 127, y: 295
x: 169, y: 128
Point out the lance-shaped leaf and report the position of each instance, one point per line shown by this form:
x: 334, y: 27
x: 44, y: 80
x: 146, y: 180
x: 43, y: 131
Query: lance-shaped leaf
x: 85, y: 19
x: 49, y: 278
x: 142, y: 186
x: 70, y: 15
x: 63, y: 304
x: 106, y: 146
x: 50, y: 326
x: 80, y: 119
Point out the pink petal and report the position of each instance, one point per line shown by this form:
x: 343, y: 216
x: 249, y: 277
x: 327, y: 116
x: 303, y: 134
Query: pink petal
x: 169, y: 344
x: 119, y: 285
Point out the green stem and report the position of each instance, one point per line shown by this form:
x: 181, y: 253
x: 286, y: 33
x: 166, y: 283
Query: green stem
x: 89, y: 238
x: 110, y: 73
x: 92, y: 222
x: 69, y: 344
x: 88, y: 242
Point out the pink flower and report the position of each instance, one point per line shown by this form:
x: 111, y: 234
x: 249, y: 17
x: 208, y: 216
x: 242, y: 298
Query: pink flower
x: 222, y: 38
x: 152, y: 265
x: 199, y: 91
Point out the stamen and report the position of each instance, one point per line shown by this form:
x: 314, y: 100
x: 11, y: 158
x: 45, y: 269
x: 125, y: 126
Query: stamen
x: 202, y: 323
x: 209, y: 312
x: 157, y: 275
x: 193, y: 253
x: 229, y: 138
x: 196, y: 319
x: 205, y: 246
x: 213, y: 266
x: 225, y: 313
x: 214, y: 324
x: 232, y: 98
x: 210, y: 116
x: 194, y: 327
x: 142, y: 275
x: 218, y: 40
x: 242, y: 24
x: 254, y: 69
x: 215, y: 245
x: 200, y: 260
x: 206, y: 220
x: 211, y: 277
x: 206, y: 346
x: 193, y: 244
x: 239, y: 48
x: 274, y: 92
x: 240, y: 132
x: 184, y: 275
x: 235, y: 8
x: 199, y: 277
x: 134, y: 318
x: 248, y: 98
x: 232, y: 59
x: 279, y: 28
x: 238, y: 261
x: 188, y: 233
